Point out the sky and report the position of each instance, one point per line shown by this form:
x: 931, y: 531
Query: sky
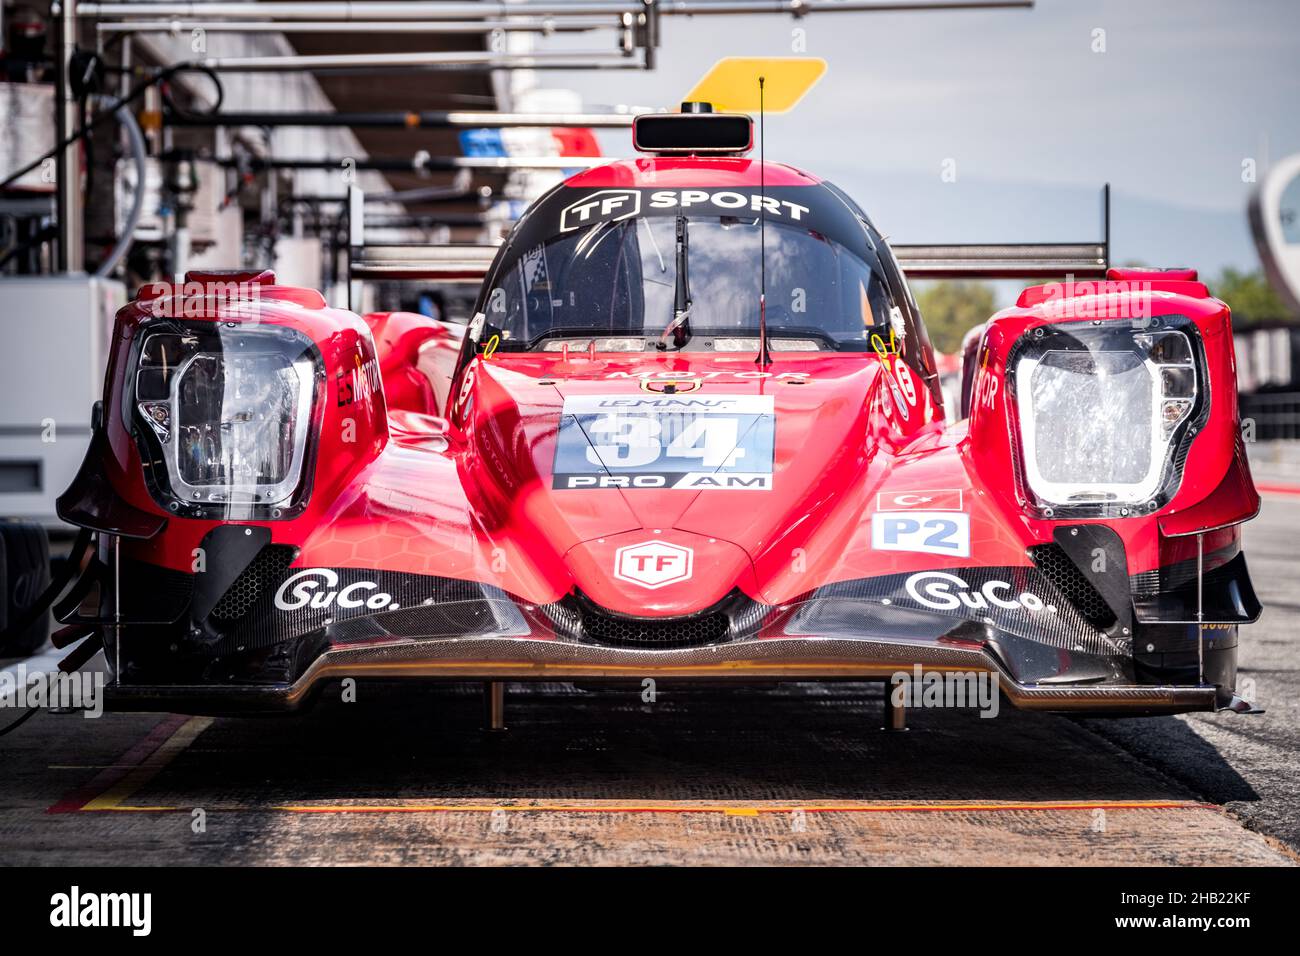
x: 1032, y: 115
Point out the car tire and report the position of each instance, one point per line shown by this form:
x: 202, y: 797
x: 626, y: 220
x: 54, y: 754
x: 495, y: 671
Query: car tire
x: 24, y: 576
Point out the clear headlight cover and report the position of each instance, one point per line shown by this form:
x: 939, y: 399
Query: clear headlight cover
x: 1103, y: 413
x: 229, y: 409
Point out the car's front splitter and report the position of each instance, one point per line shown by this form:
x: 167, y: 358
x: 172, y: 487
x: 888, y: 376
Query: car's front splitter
x: 498, y: 658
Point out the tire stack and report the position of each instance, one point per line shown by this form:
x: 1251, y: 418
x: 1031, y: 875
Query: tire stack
x: 24, y: 575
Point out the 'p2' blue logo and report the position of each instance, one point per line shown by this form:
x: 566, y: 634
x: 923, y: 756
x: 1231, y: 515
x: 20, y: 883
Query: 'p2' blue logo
x: 927, y: 532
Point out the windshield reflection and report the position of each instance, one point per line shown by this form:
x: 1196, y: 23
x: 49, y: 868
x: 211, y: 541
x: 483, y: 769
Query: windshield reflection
x: 620, y: 279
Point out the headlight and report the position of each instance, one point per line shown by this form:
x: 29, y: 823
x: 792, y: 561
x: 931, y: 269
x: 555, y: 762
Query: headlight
x: 227, y: 411
x: 1104, y: 414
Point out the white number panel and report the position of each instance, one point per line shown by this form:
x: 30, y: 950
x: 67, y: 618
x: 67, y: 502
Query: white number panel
x: 696, y: 442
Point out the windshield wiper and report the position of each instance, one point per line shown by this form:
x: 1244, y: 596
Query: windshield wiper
x: 680, y: 327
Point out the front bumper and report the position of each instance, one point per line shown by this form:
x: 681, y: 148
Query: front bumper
x: 270, y: 641
x: 760, y: 659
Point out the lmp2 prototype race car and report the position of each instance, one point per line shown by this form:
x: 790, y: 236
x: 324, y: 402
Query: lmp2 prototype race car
x: 694, y: 431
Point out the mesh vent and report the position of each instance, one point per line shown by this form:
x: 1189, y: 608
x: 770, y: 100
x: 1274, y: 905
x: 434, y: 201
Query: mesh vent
x: 579, y: 618
x: 655, y: 632
x: 1069, y: 580
x: 266, y: 570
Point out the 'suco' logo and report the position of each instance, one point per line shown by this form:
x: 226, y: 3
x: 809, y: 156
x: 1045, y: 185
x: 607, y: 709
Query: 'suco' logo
x: 319, y: 588
x: 947, y: 592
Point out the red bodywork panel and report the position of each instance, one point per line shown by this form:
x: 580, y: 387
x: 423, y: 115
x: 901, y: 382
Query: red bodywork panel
x: 403, y: 340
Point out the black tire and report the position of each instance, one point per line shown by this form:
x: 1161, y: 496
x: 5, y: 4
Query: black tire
x: 24, y: 575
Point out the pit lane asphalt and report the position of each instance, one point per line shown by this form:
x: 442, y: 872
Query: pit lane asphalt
x: 796, y: 774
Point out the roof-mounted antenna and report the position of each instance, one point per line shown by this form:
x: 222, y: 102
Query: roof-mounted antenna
x: 764, y: 357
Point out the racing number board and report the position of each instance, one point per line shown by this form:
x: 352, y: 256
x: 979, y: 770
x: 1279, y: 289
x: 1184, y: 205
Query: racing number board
x: 694, y: 442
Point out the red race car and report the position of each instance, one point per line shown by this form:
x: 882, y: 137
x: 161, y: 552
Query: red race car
x: 693, y: 431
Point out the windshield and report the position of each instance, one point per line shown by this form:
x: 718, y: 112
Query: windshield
x: 619, y: 279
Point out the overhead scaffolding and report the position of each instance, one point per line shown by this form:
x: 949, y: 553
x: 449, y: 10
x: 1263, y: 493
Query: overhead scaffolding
x: 635, y: 23
x: 407, y: 119
x: 452, y: 11
x: 636, y: 35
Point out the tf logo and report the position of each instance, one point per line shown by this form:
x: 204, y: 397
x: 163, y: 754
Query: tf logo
x: 604, y: 205
x: 670, y: 386
x: 653, y: 564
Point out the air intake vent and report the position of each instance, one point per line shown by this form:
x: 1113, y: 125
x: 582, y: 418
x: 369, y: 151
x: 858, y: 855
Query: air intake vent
x: 736, y: 616
x: 656, y: 632
x: 266, y: 570
x: 1069, y: 580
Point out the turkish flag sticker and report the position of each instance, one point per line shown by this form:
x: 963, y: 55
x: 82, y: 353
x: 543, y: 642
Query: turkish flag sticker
x: 943, y: 499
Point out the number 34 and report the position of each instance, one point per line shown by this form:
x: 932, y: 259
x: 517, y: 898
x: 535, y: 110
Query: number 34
x: 625, y: 441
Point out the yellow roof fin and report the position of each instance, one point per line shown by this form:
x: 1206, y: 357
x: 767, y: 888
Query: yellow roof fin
x: 731, y: 84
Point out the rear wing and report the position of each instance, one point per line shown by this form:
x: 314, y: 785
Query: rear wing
x: 1017, y: 260
x: 1010, y: 261
x: 1020, y: 260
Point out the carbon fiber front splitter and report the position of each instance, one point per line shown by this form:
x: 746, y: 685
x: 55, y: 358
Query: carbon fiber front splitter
x: 495, y: 658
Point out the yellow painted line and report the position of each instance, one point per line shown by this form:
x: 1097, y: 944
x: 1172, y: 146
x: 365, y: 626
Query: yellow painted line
x: 115, y: 797
x: 753, y: 809
x: 749, y: 810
